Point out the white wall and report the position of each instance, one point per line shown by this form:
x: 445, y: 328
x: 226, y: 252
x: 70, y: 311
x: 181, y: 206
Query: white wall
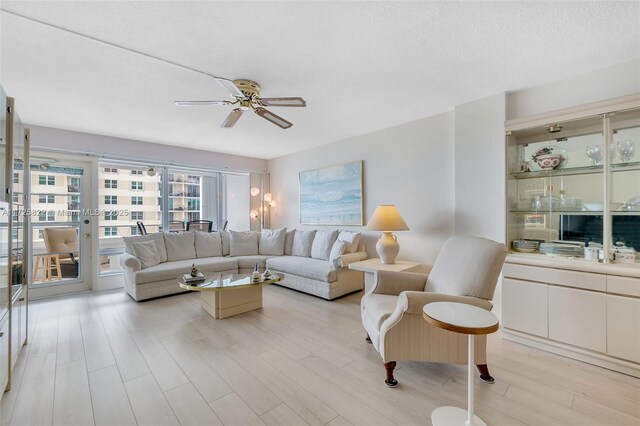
x: 145, y: 152
x: 409, y: 165
x: 606, y: 83
x: 480, y: 168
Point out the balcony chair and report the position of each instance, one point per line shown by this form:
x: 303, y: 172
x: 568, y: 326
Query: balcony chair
x: 141, y: 228
x: 466, y: 271
x: 63, y: 247
x: 200, y: 225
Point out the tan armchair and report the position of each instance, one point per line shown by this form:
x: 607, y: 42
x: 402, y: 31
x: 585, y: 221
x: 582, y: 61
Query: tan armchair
x: 466, y: 271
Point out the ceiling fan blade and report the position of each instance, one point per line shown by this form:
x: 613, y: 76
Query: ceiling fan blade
x: 230, y: 86
x: 198, y: 103
x: 232, y: 118
x: 275, y: 119
x: 283, y: 102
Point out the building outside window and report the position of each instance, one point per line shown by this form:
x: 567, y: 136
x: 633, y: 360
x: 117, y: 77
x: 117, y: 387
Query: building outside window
x: 110, y: 183
x: 47, y: 198
x: 137, y: 185
x: 46, y: 180
x: 110, y: 215
x: 136, y: 172
x: 134, y: 230
x: 137, y: 215
x: 16, y: 178
x: 110, y: 170
x: 111, y: 199
x: 47, y: 216
x: 136, y: 201
x: 111, y: 231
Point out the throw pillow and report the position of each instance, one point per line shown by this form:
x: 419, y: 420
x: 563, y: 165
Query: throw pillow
x: 302, y: 242
x: 225, y: 236
x: 147, y: 253
x: 322, y: 244
x: 157, y: 237
x: 288, y: 242
x: 352, y: 238
x: 208, y: 244
x: 243, y: 243
x: 180, y: 245
x: 272, y: 241
x: 339, y: 248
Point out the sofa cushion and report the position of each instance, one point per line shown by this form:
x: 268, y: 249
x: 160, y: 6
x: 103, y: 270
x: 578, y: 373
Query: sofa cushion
x: 339, y: 248
x: 225, y: 237
x: 172, y: 270
x: 158, y: 237
x: 288, y: 242
x: 243, y: 243
x: 272, y: 241
x: 352, y: 238
x: 208, y: 244
x: 302, y: 243
x: 308, y: 267
x: 147, y: 253
x: 180, y: 245
x: 322, y: 244
x: 378, y: 307
x: 249, y: 262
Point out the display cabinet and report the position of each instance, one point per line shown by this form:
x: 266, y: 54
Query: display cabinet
x: 571, y: 284
x: 573, y: 188
x: 14, y: 242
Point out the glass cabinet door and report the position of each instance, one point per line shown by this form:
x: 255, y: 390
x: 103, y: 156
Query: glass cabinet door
x: 4, y: 211
x: 625, y: 185
x: 17, y: 206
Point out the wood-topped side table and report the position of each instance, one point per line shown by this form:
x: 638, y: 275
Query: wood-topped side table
x: 371, y: 266
x: 465, y: 319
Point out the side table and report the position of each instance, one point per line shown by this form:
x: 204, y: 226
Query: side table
x: 465, y: 319
x: 371, y: 266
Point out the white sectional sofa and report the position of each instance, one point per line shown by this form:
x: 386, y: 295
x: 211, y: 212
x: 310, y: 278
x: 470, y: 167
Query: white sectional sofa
x: 312, y: 265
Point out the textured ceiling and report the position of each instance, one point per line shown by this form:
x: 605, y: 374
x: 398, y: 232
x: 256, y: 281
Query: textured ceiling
x: 361, y: 66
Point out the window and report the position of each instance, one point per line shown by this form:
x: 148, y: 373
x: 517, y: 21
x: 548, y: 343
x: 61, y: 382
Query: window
x: 46, y: 180
x: 111, y: 231
x: 137, y: 185
x: 16, y: 178
x: 111, y: 199
x: 110, y: 215
x: 110, y: 183
x: 40, y: 234
x: 137, y: 216
x: 47, y: 216
x: 15, y: 197
x: 46, y: 198
x: 110, y: 170
x: 135, y: 230
x: 136, y: 201
x: 136, y: 172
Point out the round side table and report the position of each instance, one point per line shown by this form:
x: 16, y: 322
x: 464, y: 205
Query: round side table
x: 465, y: 319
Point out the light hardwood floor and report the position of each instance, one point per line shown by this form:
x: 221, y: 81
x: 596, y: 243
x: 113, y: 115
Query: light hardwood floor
x: 104, y: 359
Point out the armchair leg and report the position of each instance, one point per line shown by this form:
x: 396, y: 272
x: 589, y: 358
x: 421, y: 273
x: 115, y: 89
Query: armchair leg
x: 484, y: 373
x: 390, y: 381
x: 367, y: 339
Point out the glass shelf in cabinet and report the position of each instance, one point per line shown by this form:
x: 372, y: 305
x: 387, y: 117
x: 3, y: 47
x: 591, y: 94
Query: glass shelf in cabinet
x: 562, y: 211
x: 624, y: 167
x: 585, y: 170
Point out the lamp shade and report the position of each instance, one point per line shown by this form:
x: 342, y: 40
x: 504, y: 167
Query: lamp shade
x: 387, y: 218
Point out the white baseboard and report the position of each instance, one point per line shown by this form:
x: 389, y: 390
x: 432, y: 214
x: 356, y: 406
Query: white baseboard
x: 573, y: 352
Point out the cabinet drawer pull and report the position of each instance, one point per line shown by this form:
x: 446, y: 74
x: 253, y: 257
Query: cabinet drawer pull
x: 21, y: 299
x: 1, y: 333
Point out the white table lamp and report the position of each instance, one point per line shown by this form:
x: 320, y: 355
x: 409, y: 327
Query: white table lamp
x: 386, y: 218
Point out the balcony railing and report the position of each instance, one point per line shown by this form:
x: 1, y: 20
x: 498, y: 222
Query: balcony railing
x: 73, y: 188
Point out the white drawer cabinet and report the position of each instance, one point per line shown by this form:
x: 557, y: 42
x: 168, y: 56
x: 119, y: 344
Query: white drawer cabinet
x: 524, y: 306
x: 578, y: 317
x: 623, y: 327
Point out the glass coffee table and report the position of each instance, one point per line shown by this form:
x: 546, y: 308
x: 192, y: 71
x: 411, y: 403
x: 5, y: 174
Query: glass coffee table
x: 225, y: 295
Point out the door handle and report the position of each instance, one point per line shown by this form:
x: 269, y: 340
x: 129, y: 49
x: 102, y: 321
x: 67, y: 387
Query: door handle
x: 86, y: 235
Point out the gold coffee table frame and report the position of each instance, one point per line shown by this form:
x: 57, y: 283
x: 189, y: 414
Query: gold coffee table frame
x: 225, y: 295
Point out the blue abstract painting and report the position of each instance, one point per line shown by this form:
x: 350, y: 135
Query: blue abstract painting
x: 332, y: 195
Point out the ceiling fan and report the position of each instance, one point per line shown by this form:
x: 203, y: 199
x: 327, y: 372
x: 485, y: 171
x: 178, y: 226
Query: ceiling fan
x: 246, y: 93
